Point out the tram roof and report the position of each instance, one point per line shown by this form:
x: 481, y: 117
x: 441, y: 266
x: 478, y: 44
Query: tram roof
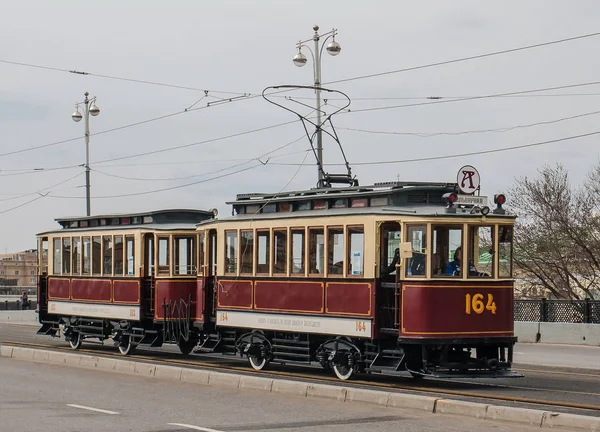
x: 420, y: 199
x: 166, y: 219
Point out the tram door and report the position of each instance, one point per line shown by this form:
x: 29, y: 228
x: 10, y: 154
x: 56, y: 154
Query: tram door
x: 389, y: 282
x: 147, y: 285
x: 211, y: 277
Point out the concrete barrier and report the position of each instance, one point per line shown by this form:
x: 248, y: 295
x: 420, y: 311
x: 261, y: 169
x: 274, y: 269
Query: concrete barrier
x: 26, y: 317
x: 392, y: 400
x: 558, y: 333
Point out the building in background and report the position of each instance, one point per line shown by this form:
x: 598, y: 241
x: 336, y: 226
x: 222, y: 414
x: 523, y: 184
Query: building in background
x: 18, y: 272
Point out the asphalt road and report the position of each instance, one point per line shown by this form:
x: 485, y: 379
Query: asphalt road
x: 36, y: 397
x: 571, y: 374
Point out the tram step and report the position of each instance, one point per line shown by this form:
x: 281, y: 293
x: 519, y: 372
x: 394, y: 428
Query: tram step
x: 49, y: 328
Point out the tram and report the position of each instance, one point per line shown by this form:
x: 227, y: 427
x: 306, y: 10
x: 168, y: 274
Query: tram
x: 363, y: 279
x: 129, y: 277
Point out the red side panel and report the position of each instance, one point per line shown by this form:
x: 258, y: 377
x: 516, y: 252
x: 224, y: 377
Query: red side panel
x: 126, y: 291
x: 349, y: 298
x: 200, y: 288
x: 235, y: 294
x: 289, y: 296
x: 174, y: 291
x: 95, y: 290
x: 58, y: 288
x: 440, y: 310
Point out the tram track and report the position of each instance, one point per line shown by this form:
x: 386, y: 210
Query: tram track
x: 434, y: 387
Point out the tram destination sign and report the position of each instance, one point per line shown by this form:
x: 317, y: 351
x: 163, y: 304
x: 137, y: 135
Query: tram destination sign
x: 471, y: 200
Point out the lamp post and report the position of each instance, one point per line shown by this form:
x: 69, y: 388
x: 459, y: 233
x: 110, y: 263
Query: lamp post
x: 89, y: 107
x: 333, y: 48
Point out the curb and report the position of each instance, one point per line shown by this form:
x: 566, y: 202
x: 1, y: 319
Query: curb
x: 495, y: 413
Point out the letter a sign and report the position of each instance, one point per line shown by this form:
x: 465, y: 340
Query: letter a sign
x: 468, y: 179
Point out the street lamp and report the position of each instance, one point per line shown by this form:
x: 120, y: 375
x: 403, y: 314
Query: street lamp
x: 89, y: 107
x: 333, y: 48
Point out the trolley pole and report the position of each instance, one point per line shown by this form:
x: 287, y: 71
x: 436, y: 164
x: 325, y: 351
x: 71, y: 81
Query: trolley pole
x: 89, y: 108
x: 333, y: 48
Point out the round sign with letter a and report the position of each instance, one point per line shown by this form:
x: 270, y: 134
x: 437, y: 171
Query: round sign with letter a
x: 468, y: 179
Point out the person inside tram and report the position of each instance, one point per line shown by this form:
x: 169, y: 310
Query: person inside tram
x: 391, y: 268
x: 454, y: 267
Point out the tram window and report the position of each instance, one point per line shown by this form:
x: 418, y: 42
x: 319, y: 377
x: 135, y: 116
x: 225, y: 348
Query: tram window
x: 57, y: 257
x: 262, y: 252
x: 66, y: 250
x: 280, y: 252
x: 298, y: 254
x: 44, y: 256
x: 76, y: 255
x: 118, y: 255
x: 163, y: 256
x: 316, y: 250
x: 356, y: 248
x: 231, y: 243
x: 417, y: 236
x: 246, y: 251
x: 481, y: 251
x: 86, y: 256
x: 96, y: 255
x: 129, y: 251
x: 505, y: 251
x: 201, y: 240
x: 184, y: 256
x: 447, y: 242
x: 390, y: 248
x: 335, y: 251
x: 107, y: 253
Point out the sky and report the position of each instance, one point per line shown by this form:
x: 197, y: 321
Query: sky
x: 148, y: 61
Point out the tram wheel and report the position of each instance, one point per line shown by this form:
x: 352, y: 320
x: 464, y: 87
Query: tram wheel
x: 125, y: 345
x: 186, y: 346
x: 341, y: 368
x: 75, y: 340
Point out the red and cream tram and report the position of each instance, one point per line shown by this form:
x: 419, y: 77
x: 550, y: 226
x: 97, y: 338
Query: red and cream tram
x: 129, y: 277
x: 363, y: 279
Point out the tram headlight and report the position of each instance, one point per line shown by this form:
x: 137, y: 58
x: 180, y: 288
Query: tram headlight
x: 485, y: 210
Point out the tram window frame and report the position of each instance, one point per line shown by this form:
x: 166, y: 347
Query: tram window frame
x: 294, y: 232
x: 96, y: 255
x: 313, y: 246
x: 246, y: 252
x: 86, y: 256
x: 76, y: 255
x: 57, y: 258
x: 419, y: 254
x: 107, y: 261
x: 66, y: 255
x: 129, y: 265
x: 230, y: 261
x: 476, y: 269
x: 351, y: 259
x: 118, y: 258
x: 387, y: 248
x: 333, y: 268
x: 184, y: 250
x: 163, y: 260
x: 505, y: 231
x: 263, y: 269
x: 201, y: 244
x: 445, y: 257
x: 279, y: 253
x: 44, y: 256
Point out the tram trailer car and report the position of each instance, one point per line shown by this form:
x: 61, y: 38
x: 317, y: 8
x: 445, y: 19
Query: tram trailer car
x: 129, y: 277
x: 363, y: 279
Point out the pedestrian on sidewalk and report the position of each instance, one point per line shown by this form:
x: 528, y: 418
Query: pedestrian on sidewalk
x: 24, y: 300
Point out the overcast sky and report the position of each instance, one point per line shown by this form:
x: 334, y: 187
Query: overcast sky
x: 232, y: 48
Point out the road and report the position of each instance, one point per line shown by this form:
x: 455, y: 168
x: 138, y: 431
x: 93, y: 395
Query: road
x: 572, y: 377
x: 36, y: 397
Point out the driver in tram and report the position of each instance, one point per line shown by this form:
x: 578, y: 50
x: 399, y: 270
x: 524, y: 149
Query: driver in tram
x: 454, y: 267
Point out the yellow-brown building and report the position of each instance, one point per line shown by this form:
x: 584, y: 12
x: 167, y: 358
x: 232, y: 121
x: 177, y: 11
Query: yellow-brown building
x: 18, y: 270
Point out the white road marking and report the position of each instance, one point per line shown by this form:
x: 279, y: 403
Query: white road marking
x: 92, y: 409
x: 193, y: 427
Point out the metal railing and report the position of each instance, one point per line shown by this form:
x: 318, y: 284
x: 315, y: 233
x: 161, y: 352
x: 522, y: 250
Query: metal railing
x: 565, y: 311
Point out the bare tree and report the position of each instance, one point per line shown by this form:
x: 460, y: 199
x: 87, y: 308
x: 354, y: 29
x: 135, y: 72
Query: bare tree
x: 557, y: 234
